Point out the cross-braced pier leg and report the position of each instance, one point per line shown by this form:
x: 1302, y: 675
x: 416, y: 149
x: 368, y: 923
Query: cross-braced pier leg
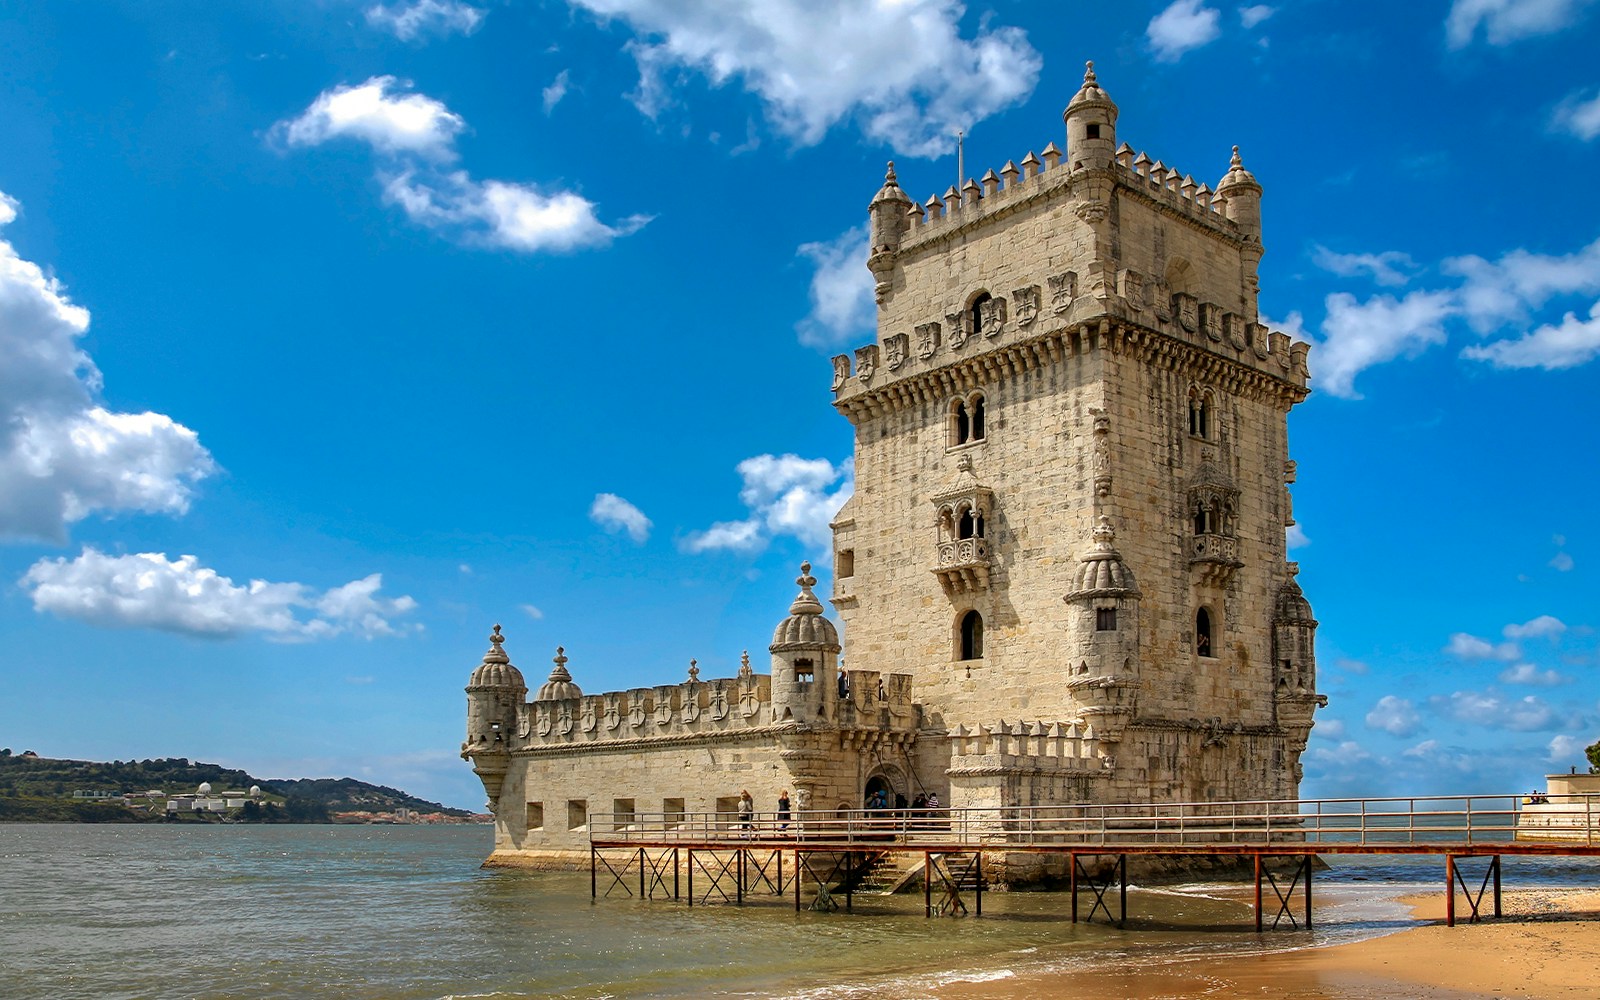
x: 719, y: 868
x: 1285, y: 893
x: 1455, y: 877
x: 598, y: 860
x: 1101, y: 886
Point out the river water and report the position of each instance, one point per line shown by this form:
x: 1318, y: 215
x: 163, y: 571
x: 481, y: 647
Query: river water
x: 407, y: 912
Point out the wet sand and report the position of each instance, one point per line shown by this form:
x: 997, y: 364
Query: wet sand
x: 1545, y: 947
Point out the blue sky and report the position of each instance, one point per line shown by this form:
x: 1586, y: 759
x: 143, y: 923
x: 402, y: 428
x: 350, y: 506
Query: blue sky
x: 332, y: 333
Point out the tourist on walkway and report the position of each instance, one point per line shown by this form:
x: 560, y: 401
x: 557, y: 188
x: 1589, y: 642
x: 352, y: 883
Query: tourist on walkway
x: 783, y: 809
x: 747, y: 808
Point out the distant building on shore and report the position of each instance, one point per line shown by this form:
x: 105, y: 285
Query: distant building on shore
x: 1567, y: 811
x: 1063, y: 575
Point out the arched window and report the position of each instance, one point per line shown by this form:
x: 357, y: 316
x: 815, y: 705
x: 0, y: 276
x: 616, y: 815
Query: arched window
x: 967, y: 420
x: 1201, y: 521
x: 971, y: 636
x: 970, y: 525
x: 1202, y: 633
x: 1200, y: 413
x: 975, y: 313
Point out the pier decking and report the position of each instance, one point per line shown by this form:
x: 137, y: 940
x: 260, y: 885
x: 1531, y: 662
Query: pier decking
x: 834, y: 851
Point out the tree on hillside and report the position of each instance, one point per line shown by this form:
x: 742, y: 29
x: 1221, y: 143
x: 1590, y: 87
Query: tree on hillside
x: 1593, y: 753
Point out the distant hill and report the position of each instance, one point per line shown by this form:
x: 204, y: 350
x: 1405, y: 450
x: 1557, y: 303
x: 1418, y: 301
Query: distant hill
x: 46, y: 788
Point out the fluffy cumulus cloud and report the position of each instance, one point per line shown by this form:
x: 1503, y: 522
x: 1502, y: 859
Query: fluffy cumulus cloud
x: 1390, y: 267
x: 1507, y: 21
x: 1394, y: 715
x: 1491, y: 710
x: 64, y: 455
x: 1359, y: 334
x: 1182, y: 26
x: 420, y: 18
x: 1254, y: 14
x: 1527, y: 673
x: 1470, y: 647
x: 1564, y: 748
x: 842, y: 304
x: 1497, y: 299
x: 902, y: 71
x: 557, y: 90
x: 785, y: 495
x: 617, y: 515
x: 148, y: 590
x: 1542, y: 627
x: 415, y: 136
x: 1578, y: 116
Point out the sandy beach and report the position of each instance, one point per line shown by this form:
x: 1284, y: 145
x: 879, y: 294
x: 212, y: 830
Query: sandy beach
x: 1546, y: 946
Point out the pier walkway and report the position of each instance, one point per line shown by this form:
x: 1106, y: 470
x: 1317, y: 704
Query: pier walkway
x: 832, y: 853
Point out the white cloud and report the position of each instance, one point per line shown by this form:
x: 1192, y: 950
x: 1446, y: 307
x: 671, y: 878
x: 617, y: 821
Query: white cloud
x: 1496, y: 293
x: 409, y: 21
x: 555, y: 92
x: 532, y: 611
x: 1492, y: 711
x: 1571, y: 343
x: 1527, y: 673
x: 1394, y: 715
x: 786, y: 495
x: 901, y: 71
x: 1562, y: 562
x: 1182, y: 26
x: 1332, y: 729
x: 1255, y: 14
x: 148, y: 590
x: 1578, y: 116
x: 1470, y: 647
x: 1358, y: 335
x: 1542, y: 627
x: 64, y: 455
x: 615, y: 514
x: 1507, y: 21
x: 1350, y: 666
x: 1295, y: 537
x: 1388, y: 268
x: 372, y: 113
x: 1564, y: 749
x: 416, y: 134
x: 842, y: 303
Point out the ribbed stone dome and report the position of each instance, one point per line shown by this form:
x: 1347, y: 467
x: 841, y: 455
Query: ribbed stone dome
x: 805, y: 628
x: 496, y: 670
x: 559, y: 687
x: 1293, y: 608
x: 1090, y: 94
x: 1102, y: 573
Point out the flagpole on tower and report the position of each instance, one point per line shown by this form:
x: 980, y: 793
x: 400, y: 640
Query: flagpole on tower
x: 961, y: 163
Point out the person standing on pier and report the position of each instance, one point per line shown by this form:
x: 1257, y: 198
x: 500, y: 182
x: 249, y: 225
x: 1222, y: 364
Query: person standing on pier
x: 747, y: 808
x: 783, y: 809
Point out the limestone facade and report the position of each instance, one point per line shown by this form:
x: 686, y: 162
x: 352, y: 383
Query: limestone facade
x: 1064, y: 559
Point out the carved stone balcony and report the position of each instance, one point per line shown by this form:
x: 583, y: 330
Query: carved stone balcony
x: 1215, y: 557
x: 963, y: 565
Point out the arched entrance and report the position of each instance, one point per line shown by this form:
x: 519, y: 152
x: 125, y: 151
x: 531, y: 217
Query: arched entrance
x: 890, y: 782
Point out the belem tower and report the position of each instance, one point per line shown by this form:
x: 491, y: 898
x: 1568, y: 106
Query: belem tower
x: 1062, y: 577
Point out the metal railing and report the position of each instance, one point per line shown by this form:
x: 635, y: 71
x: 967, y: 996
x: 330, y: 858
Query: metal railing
x: 1396, y: 822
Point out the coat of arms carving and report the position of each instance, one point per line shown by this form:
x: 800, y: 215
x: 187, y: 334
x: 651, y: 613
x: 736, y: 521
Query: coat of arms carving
x: 613, y: 714
x: 956, y: 323
x: 866, y: 363
x: 1187, y: 308
x: 1133, y: 289
x: 564, y: 720
x: 636, y: 714
x: 588, y: 720
x: 1027, y: 304
x: 1161, y: 300
x: 1211, y: 320
x: 544, y: 724
x: 927, y: 340
x: 896, y: 350
x: 841, y: 370
x: 992, y: 314
x: 1063, y: 289
x: 719, y: 705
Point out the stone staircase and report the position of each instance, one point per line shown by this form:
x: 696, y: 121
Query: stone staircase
x: 896, y: 872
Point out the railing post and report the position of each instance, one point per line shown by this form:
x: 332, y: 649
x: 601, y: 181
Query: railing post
x: 1258, y: 893
x: 1449, y: 890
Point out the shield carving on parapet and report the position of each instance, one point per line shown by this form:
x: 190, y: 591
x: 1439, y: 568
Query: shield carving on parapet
x: 993, y: 312
x: 927, y: 340
x: 1161, y: 300
x: 1188, y: 309
x: 841, y: 370
x: 895, y: 350
x: 564, y: 720
x: 544, y: 720
x: 866, y: 363
x: 749, y: 702
x: 613, y: 714
x: 1063, y: 289
x: 691, y: 707
x: 1211, y: 320
x: 719, y: 704
x: 588, y: 719
x: 956, y: 323
x: 636, y: 714
x: 1027, y: 303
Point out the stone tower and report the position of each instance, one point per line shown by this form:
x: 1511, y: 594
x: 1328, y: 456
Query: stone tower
x: 1071, y: 482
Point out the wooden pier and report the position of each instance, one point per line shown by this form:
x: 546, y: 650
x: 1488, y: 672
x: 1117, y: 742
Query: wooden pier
x: 831, y: 854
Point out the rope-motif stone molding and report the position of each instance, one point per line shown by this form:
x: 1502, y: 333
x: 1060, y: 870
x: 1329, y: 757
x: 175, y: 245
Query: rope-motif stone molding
x: 737, y: 735
x: 1029, y: 766
x: 1203, y: 726
x: 1012, y: 360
